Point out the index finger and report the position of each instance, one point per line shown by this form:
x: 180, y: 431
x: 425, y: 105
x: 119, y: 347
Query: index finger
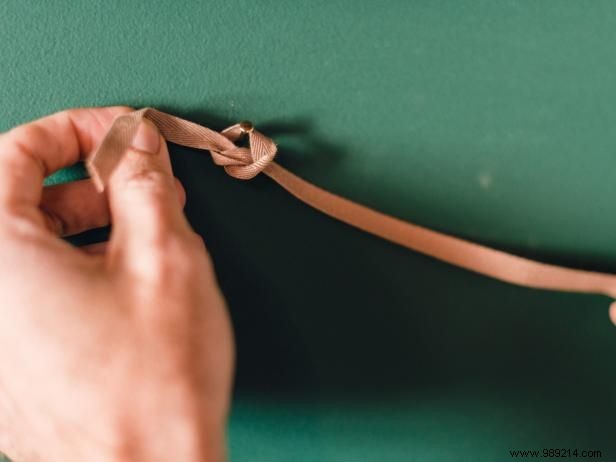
x: 30, y: 152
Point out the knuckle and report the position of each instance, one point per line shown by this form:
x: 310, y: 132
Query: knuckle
x: 65, y: 114
x: 146, y: 177
x: 175, y: 257
x: 14, y: 160
x: 22, y: 223
x: 17, y: 136
x: 17, y: 148
x: 149, y: 187
x: 27, y: 131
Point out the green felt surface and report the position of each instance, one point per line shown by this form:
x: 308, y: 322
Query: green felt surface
x: 492, y: 120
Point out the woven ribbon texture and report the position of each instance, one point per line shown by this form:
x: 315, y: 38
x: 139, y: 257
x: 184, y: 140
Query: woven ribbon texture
x: 258, y: 157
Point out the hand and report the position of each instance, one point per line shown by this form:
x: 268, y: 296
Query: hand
x: 120, y: 352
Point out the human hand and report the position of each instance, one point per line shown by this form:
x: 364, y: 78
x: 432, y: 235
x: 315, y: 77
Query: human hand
x: 120, y: 352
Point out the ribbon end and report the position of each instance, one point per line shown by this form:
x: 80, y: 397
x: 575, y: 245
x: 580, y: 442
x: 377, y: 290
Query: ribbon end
x: 99, y: 184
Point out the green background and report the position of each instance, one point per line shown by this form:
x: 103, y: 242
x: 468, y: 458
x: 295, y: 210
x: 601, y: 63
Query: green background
x: 491, y: 120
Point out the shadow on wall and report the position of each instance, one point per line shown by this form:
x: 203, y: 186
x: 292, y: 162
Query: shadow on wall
x: 294, y: 137
x: 321, y: 307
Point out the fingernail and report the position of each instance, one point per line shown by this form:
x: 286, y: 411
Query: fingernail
x: 147, y: 138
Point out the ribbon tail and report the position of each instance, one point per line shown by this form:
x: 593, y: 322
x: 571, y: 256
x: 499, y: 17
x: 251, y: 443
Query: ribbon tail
x: 474, y: 257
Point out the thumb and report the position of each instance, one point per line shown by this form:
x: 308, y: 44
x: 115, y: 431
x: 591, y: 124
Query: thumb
x: 143, y: 198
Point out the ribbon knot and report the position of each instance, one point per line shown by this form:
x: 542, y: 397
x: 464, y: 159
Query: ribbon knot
x: 244, y: 163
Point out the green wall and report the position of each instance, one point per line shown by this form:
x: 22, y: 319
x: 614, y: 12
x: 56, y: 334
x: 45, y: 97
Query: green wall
x: 491, y: 120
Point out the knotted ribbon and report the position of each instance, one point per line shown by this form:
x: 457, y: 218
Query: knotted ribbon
x: 247, y: 162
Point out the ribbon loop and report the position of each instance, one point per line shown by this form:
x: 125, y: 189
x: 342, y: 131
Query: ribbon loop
x: 254, y: 159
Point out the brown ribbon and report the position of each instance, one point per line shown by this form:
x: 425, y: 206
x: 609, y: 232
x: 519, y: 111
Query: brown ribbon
x: 246, y: 162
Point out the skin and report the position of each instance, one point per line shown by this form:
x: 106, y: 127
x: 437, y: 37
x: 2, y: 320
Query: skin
x: 116, y: 352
